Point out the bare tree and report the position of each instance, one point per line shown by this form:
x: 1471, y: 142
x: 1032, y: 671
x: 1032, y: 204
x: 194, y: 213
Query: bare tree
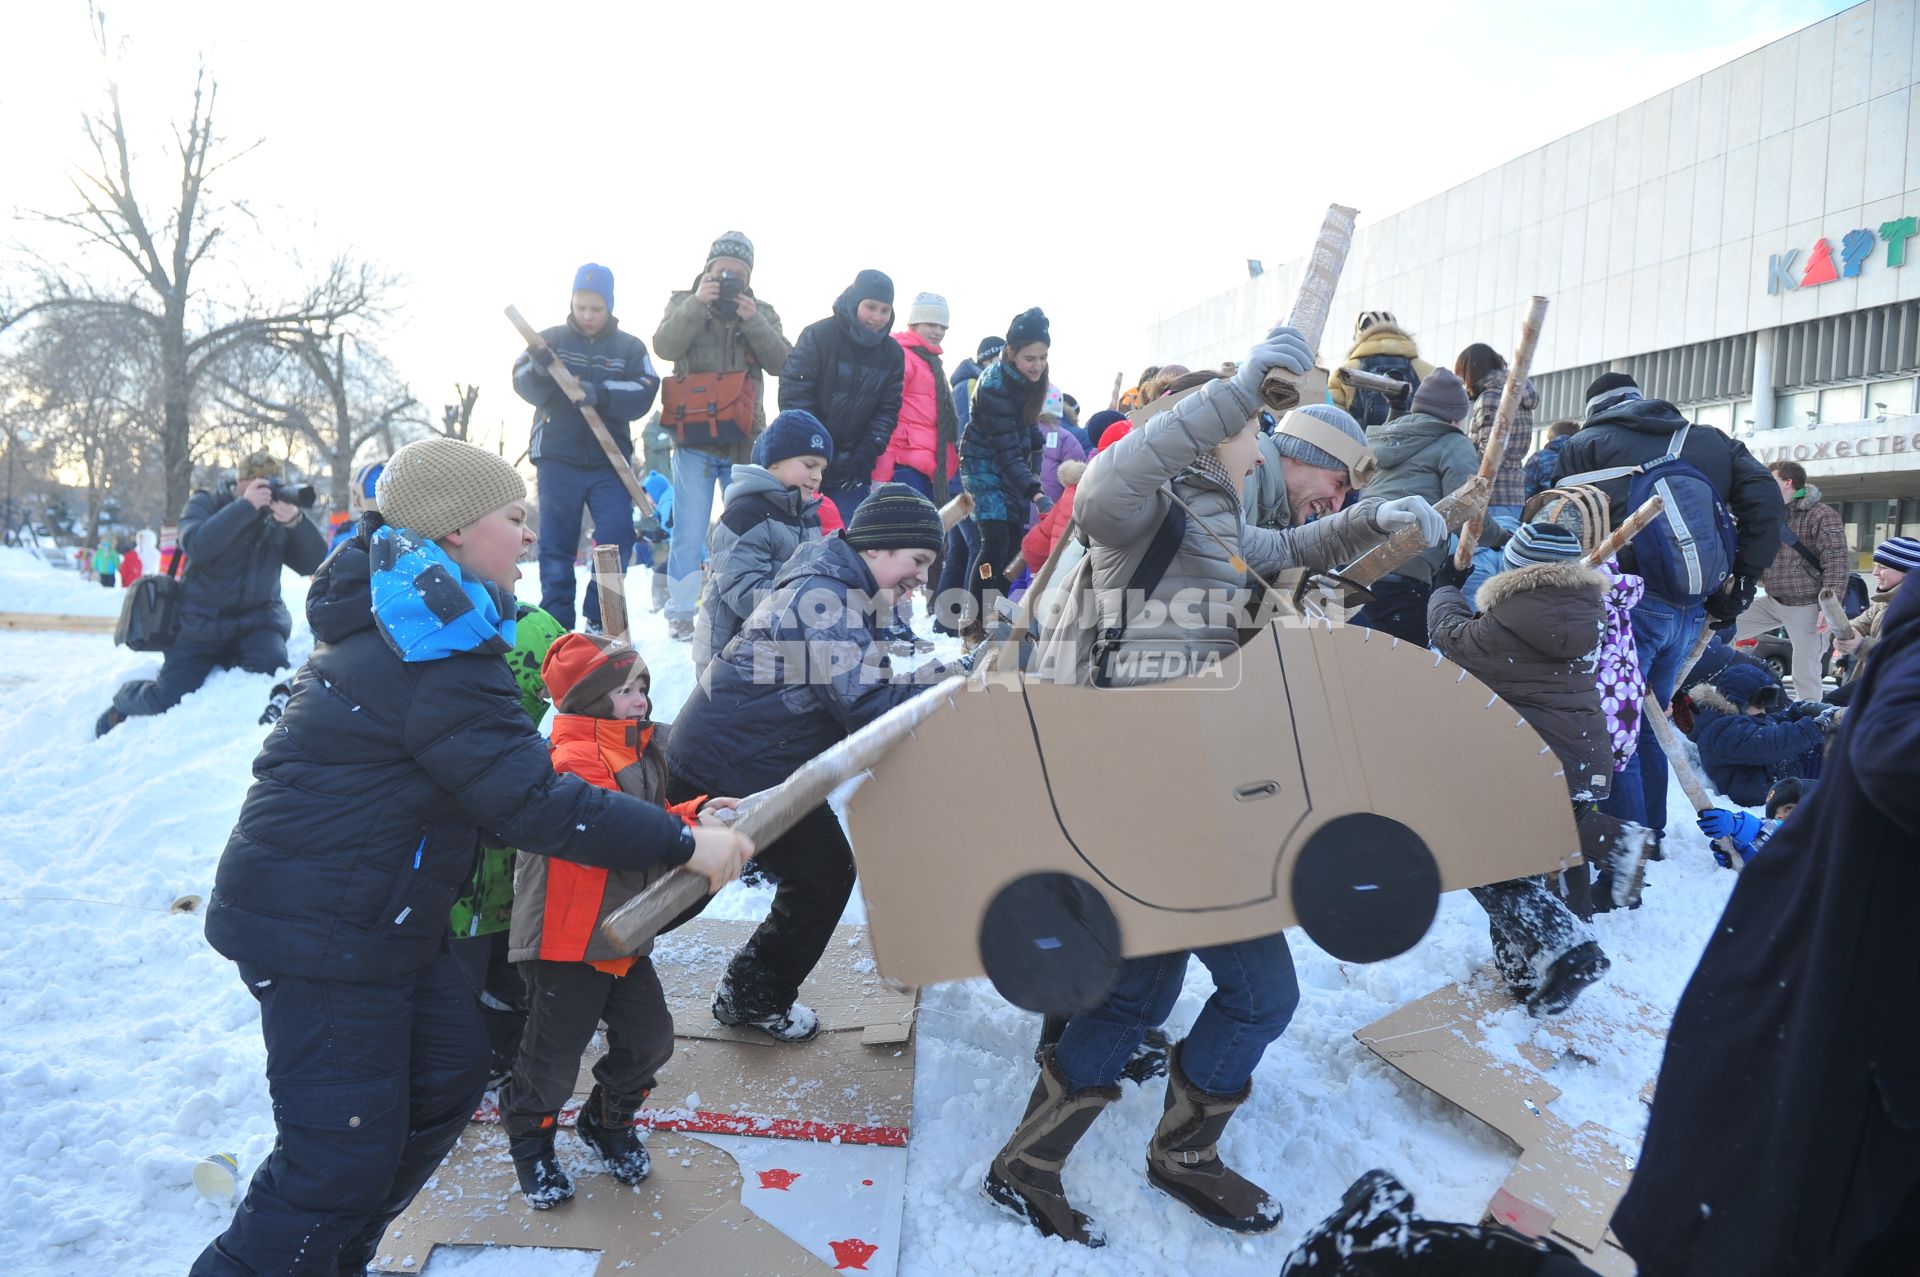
x: 334, y: 392
x: 164, y: 247
x: 93, y: 376
x: 456, y: 419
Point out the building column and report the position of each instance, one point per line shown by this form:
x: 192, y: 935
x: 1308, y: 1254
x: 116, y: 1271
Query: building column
x: 1762, y: 382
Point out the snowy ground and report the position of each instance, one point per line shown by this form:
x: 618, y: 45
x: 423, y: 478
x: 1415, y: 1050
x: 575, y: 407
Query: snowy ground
x: 129, y: 1050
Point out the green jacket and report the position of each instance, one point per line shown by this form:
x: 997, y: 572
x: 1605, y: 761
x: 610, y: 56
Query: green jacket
x: 696, y: 342
x: 488, y: 908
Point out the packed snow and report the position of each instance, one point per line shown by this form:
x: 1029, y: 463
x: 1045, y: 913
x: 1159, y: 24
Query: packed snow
x: 130, y: 1050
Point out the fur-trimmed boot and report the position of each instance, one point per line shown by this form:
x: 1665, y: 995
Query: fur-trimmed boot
x: 542, y: 1179
x: 1183, y: 1159
x: 1025, y: 1175
x: 606, y: 1124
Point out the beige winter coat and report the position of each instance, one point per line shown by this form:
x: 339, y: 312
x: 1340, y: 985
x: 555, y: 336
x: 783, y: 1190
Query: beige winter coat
x: 1120, y: 503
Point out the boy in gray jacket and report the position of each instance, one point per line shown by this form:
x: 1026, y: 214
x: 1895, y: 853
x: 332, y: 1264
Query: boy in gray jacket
x: 772, y: 509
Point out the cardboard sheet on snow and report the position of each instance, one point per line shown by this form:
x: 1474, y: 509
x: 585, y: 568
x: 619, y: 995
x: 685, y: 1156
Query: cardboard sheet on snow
x: 685, y: 1219
x: 853, y: 1083
x: 1567, y: 1180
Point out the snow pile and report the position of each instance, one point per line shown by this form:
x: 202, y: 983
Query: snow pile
x: 131, y: 1049
x: 28, y: 583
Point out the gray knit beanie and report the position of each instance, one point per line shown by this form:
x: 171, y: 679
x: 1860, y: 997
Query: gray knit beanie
x: 1535, y: 543
x: 1442, y: 395
x: 732, y: 244
x: 1308, y: 455
x: 435, y: 486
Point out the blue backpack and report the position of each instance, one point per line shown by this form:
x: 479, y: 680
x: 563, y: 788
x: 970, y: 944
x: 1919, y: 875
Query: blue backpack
x: 1686, y: 553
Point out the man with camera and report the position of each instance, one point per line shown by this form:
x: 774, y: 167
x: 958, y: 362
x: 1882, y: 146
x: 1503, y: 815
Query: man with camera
x: 236, y: 539
x: 723, y: 341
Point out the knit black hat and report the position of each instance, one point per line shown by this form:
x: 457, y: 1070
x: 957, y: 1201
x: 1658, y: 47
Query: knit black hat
x: 1097, y: 424
x: 872, y: 285
x: 895, y: 517
x: 1028, y: 327
x: 988, y: 346
x: 1608, y: 381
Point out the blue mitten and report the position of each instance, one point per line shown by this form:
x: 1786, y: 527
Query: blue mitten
x: 1719, y: 822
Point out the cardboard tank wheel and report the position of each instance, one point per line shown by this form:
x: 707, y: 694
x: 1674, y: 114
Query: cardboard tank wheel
x: 1365, y: 887
x: 1050, y: 943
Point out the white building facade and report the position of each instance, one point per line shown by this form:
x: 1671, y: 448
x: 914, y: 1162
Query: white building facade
x: 1747, y: 244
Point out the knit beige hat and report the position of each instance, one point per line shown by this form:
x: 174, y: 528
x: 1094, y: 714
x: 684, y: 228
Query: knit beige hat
x: 435, y: 486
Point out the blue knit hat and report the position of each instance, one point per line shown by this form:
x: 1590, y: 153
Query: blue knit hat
x: 1540, y: 543
x: 1899, y: 552
x: 1746, y: 684
x: 794, y: 433
x: 595, y: 278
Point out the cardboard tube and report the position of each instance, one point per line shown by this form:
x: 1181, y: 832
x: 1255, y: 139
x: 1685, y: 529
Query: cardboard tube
x: 955, y: 510
x: 777, y: 810
x: 1393, y: 553
x: 1647, y: 513
x: 1503, y: 417
x: 1281, y: 390
x: 1836, y: 615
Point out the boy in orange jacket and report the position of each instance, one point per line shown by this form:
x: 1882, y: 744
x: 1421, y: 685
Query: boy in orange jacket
x: 575, y: 976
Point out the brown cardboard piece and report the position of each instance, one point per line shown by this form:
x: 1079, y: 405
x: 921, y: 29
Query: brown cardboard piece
x: 1304, y: 723
x: 685, y: 1218
x: 1566, y: 1180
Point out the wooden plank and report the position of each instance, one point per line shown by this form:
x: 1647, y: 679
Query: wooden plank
x: 58, y: 622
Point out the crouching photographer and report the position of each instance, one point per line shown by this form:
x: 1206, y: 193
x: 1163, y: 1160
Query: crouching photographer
x: 236, y: 539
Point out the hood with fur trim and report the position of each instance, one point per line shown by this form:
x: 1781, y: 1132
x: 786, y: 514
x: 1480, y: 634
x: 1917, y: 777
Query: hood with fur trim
x: 1384, y: 339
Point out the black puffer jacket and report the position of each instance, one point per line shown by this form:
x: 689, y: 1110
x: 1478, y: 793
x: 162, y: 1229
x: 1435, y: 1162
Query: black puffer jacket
x: 369, y: 797
x: 1537, y: 644
x: 234, y: 555
x: 851, y: 378
x: 1628, y: 430
x: 808, y: 669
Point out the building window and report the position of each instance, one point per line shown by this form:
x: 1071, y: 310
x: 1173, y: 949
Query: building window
x: 1799, y: 409
x: 1742, y: 418
x: 1718, y: 415
x: 1841, y: 403
x: 1891, y: 398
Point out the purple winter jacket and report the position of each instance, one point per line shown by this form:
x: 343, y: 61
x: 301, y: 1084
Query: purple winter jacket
x: 1060, y: 446
x: 1622, y: 687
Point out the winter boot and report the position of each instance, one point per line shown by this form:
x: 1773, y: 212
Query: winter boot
x: 543, y: 1181
x: 1025, y: 1175
x: 794, y: 1023
x: 111, y: 719
x: 606, y: 1125
x: 680, y: 631
x: 276, y: 703
x: 1566, y: 976
x: 1618, y: 886
x: 1372, y: 1218
x: 1148, y: 1061
x: 1183, y: 1161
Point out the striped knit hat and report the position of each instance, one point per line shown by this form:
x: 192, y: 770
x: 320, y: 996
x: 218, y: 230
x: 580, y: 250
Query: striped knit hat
x: 1899, y: 552
x: 1540, y: 543
x: 895, y: 517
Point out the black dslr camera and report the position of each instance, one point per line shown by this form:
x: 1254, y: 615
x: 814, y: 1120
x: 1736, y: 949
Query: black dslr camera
x: 727, y: 305
x: 297, y: 494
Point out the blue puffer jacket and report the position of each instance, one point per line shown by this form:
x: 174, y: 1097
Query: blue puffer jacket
x: 809, y: 668
x: 995, y: 452
x: 617, y: 363
x: 234, y: 556
x: 1743, y: 754
x: 369, y: 797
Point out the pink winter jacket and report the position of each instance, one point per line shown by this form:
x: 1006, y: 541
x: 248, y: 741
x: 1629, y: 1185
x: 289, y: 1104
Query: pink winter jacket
x: 1622, y: 687
x: 918, y: 433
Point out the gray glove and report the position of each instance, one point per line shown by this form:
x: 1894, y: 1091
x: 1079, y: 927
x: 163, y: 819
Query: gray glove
x: 1282, y: 348
x: 1391, y: 516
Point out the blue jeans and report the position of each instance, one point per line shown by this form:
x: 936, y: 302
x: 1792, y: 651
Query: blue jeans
x: 564, y: 489
x: 1254, y: 997
x: 1664, y: 634
x: 695, y: 472
x: 1487, y: 562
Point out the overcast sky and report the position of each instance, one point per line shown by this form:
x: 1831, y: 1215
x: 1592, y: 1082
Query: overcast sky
x: 1108, y: 162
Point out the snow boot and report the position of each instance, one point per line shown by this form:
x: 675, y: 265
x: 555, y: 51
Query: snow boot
x: 1619, y: 885
x: 1565, y: 977
x: 1025, y: 1174
x: 795, y: 1023
x: 606, y: 1126
x: 276, y: 703
x: 1183, y: 1159
x: 680, y: 631
x: 543, y: 1181
x: 111, y: 719
x: 1373, y: 1217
